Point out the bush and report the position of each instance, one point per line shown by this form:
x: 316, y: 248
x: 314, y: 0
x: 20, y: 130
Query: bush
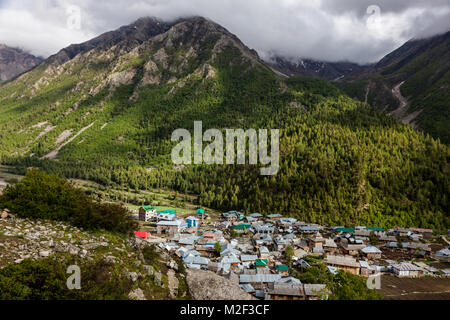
x: 46, y: 279
x: 43, y: 196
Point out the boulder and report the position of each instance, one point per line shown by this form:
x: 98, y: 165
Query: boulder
x: 149, y: 270
x: 133, y: 276
x: 137, y: 294
x: 158, y: 278
x: 4, y: 214
x: 206, y: 285
x: 44, y: 253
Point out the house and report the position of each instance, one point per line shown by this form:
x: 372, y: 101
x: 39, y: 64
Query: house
x: 362, y: 233
x: 343, y: 230
x: 308, y: 229
x: 371, y: 252
x: 287, y: 222
x: 387, y: 238
x: 241, y: 228
x: 192, y: 222
x: 315, y: 241
x: 231, y: 259
x: 142, y: 234
x: 283, y: 270
x: 280, y: 243
x: 259, y: 280
x: 264, y: 252
x: 248, y: 259
x: 232, y: 216
x: 250, y: 219
x: 209, y: 238
x: 402, y: 232
x: 330, y: 246
x: 426, y: 233
x: 352, y: 249
x: 169, y: 227
x: 283, y: 291
x: 364, y: 268
x: 264, y: 240
x: 379, y: 232
x: 201, y: 215
x: 274, y: 217
x: 261, y: 263
x: 187, y: 240
x: 406, y: 269
x: 348, y: 264
x: 257, y: 216
x: 166, y: 215
x: 427, y: 270
x: 443, y: 254
x: 147, y: 213
x: 299, y: 254
x: 265, y: 229
x: 315, y: 291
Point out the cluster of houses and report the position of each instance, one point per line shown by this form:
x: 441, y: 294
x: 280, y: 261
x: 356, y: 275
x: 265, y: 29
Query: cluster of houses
x: 250, y: 250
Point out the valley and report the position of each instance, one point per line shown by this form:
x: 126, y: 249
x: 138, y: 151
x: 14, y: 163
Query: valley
x: 104, y: 111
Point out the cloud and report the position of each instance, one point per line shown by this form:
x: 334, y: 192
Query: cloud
x: 330, y: 30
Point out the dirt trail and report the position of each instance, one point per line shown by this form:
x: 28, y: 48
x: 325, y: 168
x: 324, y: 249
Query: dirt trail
x: 401, y: 113
x: 54, y: 153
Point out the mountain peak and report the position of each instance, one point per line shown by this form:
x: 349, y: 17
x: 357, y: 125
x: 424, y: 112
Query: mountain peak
x: 14, y: 61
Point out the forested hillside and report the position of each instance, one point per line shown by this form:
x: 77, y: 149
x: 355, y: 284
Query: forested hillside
x: 421, y: 69
x: 106, y: 113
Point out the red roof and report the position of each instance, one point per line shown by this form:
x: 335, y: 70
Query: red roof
x: 142, y: 234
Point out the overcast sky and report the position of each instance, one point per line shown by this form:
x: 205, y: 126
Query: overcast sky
x: 332, y: 30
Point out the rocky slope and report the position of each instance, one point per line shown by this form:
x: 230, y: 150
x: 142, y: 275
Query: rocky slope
x: 22, y: 239
x: 152, y: 276
x: 14, y: 61
x: 417, y: 71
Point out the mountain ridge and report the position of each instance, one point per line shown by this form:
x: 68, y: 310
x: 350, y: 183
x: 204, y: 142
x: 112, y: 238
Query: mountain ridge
x: 14, y: 61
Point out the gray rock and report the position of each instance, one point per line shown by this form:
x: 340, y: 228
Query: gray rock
x: 44, y: 253
x: 133, y: 276
x: 149, y: 270
x: 158, y: 278
x: 206, y: 285
x: 137, y: 294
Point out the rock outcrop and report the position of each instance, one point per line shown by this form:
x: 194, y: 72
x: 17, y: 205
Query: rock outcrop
x: 206, y: 285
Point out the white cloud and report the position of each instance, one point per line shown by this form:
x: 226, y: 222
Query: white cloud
x: 329, y: 30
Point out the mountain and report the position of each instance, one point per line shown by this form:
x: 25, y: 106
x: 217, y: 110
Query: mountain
x: 411, y: 84
x: 316, y: 69
x: 14, y: 61
x: 105, y: 111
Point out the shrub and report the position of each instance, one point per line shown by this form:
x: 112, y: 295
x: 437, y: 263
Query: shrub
x: 43, y: 196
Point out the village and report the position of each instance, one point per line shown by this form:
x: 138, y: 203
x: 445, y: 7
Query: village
x: 264, y: 253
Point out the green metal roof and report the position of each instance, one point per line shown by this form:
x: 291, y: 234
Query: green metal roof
x: 346, y: 230
x: 375, y: 229
x: 242, y: 226
x: 148, y: 208
x: 261, y: 262
x: 282, y: 267
x: 166, y: 212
